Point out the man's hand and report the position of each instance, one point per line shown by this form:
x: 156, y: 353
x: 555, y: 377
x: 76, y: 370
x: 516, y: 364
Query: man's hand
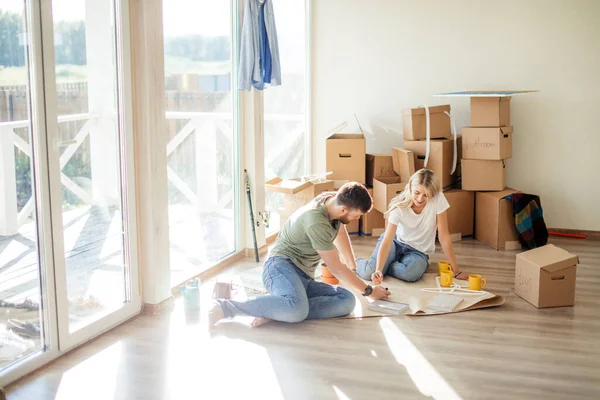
x: 379, y: 293
x: 377, y: 277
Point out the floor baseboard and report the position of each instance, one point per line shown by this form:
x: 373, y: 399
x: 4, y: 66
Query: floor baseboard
x: 157, y: 309
x: 261, y: 250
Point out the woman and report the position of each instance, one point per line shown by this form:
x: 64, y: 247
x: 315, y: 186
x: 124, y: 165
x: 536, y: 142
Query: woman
x: 409, y: 239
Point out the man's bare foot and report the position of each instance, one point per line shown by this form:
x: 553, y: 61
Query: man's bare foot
x: 215, y: 315
x: 258, y: 321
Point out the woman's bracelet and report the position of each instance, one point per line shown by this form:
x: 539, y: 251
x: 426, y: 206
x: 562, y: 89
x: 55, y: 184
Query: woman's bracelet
x: 457, y: 274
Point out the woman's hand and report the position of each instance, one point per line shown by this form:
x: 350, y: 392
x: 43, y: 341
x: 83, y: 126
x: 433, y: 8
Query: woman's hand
x: 462, y: 276
x: 377, y: 277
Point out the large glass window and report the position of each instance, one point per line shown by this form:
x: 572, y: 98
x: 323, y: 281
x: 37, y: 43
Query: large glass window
x: 21, y: 331
x: 91, y: 170
x: 286, y: 106
x: 200, y: 127
x: 65, y: 270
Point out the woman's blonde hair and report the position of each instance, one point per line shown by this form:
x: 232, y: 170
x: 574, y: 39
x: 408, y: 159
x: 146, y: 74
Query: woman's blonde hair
x: 423, y: 177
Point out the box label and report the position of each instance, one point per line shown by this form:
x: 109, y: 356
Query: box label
x: 523, y: 283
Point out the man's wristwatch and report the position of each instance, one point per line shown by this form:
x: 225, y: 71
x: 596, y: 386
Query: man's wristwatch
x: 368, y: 291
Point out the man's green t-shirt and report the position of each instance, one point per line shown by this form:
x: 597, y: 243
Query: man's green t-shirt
x: 306, y: 231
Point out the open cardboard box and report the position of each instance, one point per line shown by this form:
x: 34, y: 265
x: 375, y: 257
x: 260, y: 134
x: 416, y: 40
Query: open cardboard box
x: 299, y: 191
x: 403, y: 162
x: 379, y: 165
x: 384, y: 190
x: 345, y: 155
x: 287, y: 186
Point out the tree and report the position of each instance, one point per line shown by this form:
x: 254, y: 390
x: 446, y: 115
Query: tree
x: 12, y: 54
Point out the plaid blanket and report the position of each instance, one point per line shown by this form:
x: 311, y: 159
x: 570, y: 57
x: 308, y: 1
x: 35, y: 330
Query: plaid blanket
x: 529, y: 220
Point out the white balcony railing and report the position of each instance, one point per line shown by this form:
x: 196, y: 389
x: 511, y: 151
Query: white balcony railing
x: 205, y: 125
x: 10, y: 218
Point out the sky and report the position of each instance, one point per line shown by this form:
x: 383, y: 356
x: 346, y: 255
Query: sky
x: 207, y: 17
x: 204, y: 17
x: 180, y: 17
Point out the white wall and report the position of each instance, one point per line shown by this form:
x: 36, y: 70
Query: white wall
x: 376, y: 57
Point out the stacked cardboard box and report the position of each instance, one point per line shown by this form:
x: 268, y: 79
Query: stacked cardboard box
x: 441, y: 145
x: 486, y: 144
x: 441, y: 161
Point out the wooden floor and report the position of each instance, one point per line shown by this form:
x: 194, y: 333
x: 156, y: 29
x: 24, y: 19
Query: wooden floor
x: 512, y: 352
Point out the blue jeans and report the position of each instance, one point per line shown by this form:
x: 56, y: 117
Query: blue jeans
x: 403, y: 262
x: 294, y: 296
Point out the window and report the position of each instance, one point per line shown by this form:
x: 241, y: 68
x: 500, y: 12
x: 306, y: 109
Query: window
x: 286, y: 106
x: 201, y: 152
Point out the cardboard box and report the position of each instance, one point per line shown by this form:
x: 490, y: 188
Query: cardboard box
x: 353, y: 227
x: 384, y: 190
x: 490, y: 111
x: 414, y: 123
x: 379, y: 165
x: 461, y: 214
x: 482, y: 175
x: 287, y: 186
x: 291, y: 202
x: 339, y: 183
x: 345, y: 156
x: 372, y: 220
x: 378, y: 232
x: 403, y: 162
x: 487, y: 143
x: 317, y: 187
x: 545, y: 277
x: 441, y: 156
x: 297, y: 191
x: 495, y: 221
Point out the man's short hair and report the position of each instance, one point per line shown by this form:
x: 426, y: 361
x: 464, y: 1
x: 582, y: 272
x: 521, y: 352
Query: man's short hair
x: 354, y: 196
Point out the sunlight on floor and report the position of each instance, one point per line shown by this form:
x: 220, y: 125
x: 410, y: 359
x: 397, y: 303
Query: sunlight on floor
x: 220, y: 367
x: 217, y: 366
x: 13, y: 250
x: 340, y: 395
x: 424, y: 375
x: 72, y: 234
x: 93, y: 378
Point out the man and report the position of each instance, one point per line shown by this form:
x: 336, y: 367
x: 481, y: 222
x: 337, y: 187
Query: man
x: 315, y: 231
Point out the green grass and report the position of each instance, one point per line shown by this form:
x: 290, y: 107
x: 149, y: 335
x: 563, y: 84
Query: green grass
x: 17, y: 76
x: 180, y: 65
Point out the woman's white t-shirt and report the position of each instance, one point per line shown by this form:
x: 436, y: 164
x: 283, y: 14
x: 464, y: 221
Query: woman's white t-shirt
x: 418, y: 230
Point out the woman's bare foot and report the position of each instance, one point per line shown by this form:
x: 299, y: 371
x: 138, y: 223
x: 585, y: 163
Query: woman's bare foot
x: 258, y: 321
x: 215, y: 315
